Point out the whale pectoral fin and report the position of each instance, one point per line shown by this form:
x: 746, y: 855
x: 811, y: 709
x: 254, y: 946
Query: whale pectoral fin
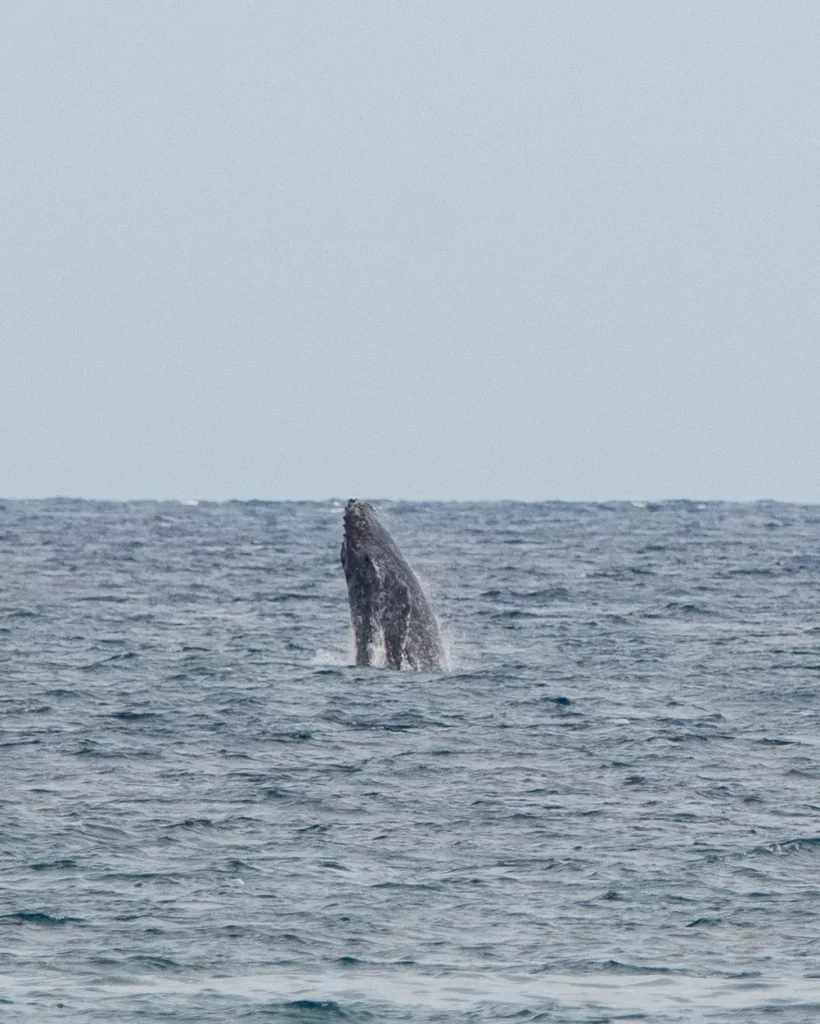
x: 365, y: 630
x: 365, y: 635
x: 395, y: 624
x: 364, y: 609
x: 394, y: 648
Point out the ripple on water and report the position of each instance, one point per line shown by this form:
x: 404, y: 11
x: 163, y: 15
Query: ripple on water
x: 607, y: 809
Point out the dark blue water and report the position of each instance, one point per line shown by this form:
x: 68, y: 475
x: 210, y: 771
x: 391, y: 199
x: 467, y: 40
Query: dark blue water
x: 608, y: 809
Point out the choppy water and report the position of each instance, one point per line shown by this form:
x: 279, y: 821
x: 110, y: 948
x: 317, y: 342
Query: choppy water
x: 608, y: 809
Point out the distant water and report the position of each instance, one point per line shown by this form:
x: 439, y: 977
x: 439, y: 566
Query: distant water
x: 609, y: 809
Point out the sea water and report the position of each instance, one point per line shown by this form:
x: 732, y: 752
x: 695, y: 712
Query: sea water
x: 607, y: 809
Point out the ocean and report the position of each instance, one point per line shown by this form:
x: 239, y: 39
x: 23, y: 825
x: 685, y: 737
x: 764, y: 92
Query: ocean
x: 608, y: 808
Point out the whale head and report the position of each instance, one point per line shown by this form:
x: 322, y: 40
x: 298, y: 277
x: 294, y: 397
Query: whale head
x: 359, y: 522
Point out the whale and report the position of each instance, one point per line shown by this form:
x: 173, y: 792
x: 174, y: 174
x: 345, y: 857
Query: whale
x: 387, y: 605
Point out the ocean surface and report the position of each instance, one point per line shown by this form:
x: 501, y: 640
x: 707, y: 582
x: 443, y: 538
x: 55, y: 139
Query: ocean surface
x: 607, y: 809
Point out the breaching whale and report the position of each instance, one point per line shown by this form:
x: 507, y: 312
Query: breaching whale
x: 386, y: 600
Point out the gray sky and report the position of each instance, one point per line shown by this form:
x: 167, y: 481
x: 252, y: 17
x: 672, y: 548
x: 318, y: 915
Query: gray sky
x: 411, y: 250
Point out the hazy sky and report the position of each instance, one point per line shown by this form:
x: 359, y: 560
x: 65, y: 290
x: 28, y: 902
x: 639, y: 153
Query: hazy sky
x: 412, y: 250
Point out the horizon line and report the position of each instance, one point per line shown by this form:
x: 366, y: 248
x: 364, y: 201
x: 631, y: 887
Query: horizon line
x: 191, y: 501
